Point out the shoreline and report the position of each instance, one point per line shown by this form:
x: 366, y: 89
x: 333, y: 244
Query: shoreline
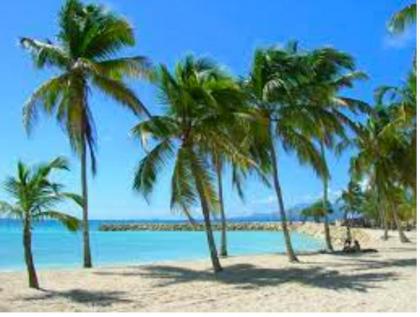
x: 383, y: 281
x: 311, y: 229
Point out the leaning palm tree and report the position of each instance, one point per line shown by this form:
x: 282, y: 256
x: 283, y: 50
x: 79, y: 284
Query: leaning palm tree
x: 195, y: 97
x: 274, y: 88
x: 35, y: 197
x: 403, y: 18
x: 88, y: 39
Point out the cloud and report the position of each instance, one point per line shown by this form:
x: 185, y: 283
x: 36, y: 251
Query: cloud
x: 267, y: 200
x: 400, y: 41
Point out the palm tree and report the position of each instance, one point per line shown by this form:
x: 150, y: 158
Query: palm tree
x: 375, y: 161
x: 195, y: 97
x: 274, y: 88
x: 351, y: 201
x: 244, y: 126
x: 332, y: 70
x: 88, y: 39
x: 35, y: 197
x: 401, y: 127
x: 403, y: 18
x: 316, y: 210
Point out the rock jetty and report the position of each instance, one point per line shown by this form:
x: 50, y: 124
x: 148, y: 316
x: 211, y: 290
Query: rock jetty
x: 232, y: 226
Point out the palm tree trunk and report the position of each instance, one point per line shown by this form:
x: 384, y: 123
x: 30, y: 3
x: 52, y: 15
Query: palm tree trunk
x: 207, y: 223
x: 27, y: 246
x: 223, y: 240
x: 348, y: 231
x: 382, y: 213
x: 403, y: 237
x: 325, y: 200
x: 87, y: 259
x: 290, y: 253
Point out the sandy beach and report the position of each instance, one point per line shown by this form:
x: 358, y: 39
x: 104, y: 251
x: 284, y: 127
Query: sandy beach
x: 374, y: 282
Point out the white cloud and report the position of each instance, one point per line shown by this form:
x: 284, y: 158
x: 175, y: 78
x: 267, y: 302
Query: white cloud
x: 401, y: 40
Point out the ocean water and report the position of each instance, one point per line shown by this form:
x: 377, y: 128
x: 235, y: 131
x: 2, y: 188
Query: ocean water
x: 55, y: 248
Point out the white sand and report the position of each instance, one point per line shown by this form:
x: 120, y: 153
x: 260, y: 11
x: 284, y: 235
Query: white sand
x: 384, y: 281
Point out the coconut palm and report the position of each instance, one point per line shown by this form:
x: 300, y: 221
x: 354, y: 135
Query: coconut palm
x: 195, y: 97
x: 316, y: 210
x: 351, y: 203
x: 403, y: 18
x: 401, y: 103
x: 274, y: 88
x: 245, y: 127
x: 332, y: 71
x: 89, y: 37
x: 375, y: 161
x: 35, y: 197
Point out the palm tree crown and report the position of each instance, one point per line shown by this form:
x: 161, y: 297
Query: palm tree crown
x: 198, y: 99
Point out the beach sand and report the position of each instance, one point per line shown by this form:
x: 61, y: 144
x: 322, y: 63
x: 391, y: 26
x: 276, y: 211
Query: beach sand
x: 375, y: 282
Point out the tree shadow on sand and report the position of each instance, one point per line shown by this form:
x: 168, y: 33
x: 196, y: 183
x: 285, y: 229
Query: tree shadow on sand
x: 248, y: 276
x: 96, y: 298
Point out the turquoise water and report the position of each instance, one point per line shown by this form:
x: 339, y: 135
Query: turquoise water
x: 55, y: 247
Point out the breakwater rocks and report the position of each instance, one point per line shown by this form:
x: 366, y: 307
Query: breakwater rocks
x: 232, y: 226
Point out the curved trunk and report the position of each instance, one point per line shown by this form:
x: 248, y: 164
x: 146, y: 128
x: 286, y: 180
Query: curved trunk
x: 27, y: 246
x: 223, y: 240
x: 290, y: 252
x: 87, y: 259
x: 207, y: 223
x: 403, y: 237
x: 325, y: 201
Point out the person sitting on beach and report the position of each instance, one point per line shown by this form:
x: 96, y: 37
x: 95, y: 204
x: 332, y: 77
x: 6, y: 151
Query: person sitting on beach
x: 347, y: 246
x: 357, y: 247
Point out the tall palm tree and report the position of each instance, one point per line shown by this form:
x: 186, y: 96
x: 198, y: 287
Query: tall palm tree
x: 401, y: 127
x: 35, y: 197
x: 403, y: 18
x: 375, y: 160
x: 89, y: 37
x: 195, y: 97
x: 274, y: 88
x: 332, y: 70
x: 244, y: 126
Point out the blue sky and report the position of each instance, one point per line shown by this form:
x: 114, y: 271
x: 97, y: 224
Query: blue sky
x: 227, y: 30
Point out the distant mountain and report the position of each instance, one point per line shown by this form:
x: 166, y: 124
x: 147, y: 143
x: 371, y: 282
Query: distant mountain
x: 293, y: 214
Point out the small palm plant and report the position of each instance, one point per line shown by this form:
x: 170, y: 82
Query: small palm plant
x: 84, y: 56
x: 35, y: 197
x: 351, y: 203
x: 194, y: 122
x: 316, y: 210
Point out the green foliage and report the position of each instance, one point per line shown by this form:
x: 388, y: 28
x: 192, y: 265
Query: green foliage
x: 89, y: 37
x: 402, y: 19
x: 316, y: 210
x: 35, y: 195
x: 200, y: 101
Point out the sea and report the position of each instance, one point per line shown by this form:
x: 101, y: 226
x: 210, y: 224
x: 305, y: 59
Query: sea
x: 56, y: 248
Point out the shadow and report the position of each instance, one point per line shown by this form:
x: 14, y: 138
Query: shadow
x: 247, y: 276
x: 97, y: 298
x: 360, y: 263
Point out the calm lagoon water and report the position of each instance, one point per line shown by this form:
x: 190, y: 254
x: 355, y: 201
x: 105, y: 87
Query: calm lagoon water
x: 54, y: 247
